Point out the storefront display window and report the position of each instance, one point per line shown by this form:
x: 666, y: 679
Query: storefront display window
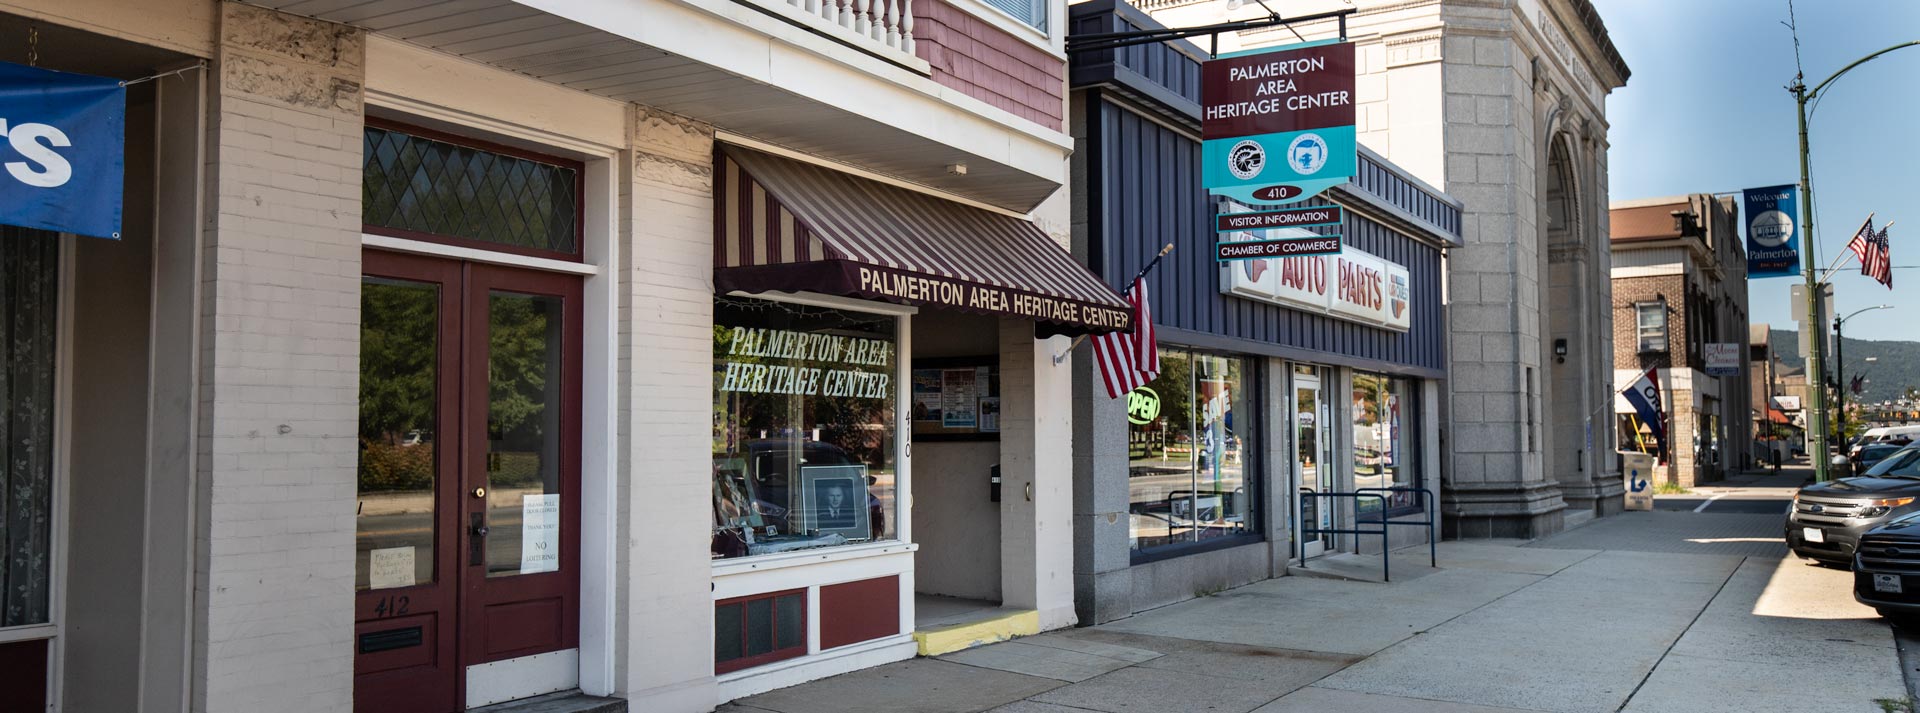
x: 1190, y: 443
x: 803, y: 427
x: 29, y: 298
x: 1383, y: 442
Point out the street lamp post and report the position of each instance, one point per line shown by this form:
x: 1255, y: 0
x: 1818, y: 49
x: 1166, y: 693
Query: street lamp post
x: 1839, y: 369
x: 1816, y: 353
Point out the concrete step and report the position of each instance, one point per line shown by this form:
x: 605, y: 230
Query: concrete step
x: 1364, y: 568
x: 562, y: 702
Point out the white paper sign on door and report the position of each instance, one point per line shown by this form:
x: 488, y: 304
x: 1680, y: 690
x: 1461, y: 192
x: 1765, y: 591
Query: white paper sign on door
x: 390, y: 567
x: 539, y: 533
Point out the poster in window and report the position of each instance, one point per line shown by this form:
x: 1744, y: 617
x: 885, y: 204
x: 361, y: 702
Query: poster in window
x: 959, y: 398
x: 990, y: 414
x: 390, y: 567
x: 834, y: 501
x: 1390, y: 420
x: 539, y: 533
x: 926, y: 394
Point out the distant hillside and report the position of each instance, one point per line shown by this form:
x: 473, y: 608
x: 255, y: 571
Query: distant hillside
x: 1896, y: 370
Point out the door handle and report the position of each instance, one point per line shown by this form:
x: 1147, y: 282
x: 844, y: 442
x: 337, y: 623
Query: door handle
x: 477, y: 543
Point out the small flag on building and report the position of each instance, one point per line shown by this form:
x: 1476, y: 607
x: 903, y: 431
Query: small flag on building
x: 1644, y: 395
x: 1855, y: 386
x: 1128, y: 360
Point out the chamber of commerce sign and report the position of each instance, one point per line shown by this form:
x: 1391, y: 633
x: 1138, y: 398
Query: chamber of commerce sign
x: 1353, y: 285
x: 1278, y: 124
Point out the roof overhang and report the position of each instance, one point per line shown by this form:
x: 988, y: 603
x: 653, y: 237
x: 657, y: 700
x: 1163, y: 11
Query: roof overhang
x: 744, y: 70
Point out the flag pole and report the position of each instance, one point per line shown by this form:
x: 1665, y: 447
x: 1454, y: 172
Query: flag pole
x: 1155, y: 262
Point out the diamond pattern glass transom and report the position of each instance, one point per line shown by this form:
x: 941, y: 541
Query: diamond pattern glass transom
x: 412, y: 185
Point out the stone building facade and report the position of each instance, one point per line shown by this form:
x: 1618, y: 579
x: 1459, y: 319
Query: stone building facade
x: 1680, y: 291
x: 1503, y: 106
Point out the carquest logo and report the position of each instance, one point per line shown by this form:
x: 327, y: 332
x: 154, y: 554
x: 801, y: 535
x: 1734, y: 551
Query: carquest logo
x: 1143, y: 406
x: 1246, y: 159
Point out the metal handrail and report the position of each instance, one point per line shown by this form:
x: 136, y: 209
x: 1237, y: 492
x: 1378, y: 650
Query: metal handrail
x: 1383, y: 495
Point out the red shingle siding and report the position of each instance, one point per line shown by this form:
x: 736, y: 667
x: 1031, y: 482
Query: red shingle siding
x: 988, y: 64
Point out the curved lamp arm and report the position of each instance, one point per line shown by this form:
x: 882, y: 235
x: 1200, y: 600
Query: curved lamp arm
x: 1863, y: 60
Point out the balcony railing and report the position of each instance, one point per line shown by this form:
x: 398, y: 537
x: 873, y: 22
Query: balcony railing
x: 862, y: 23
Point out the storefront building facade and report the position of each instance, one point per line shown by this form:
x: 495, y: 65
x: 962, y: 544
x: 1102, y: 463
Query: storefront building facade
x: 1277, y: 374
x: 1680, y: 306
x: 1503, y: 106
x: 460, y: 353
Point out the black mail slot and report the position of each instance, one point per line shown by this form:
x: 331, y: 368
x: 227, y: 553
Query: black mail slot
x: 390, y: 639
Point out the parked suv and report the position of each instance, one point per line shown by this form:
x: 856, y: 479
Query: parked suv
x: 1886, y: 568
x: 1828, y: 518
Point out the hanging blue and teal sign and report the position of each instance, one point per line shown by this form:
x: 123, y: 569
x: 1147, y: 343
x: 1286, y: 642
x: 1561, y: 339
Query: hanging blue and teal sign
x: 62, y: 150
x: 1772, y: 220
x: 1277, y: 125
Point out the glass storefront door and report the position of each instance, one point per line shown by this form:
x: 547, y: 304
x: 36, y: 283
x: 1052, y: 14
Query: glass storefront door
x: 1312, y: 462
x: 468, y: 475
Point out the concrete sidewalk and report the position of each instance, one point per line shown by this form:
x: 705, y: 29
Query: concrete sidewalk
x: 1501, y: 626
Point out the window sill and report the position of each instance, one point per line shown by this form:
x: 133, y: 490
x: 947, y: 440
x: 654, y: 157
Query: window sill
x: 802, y: 558
x: 28, y: 632
x: 1041, y: 39
x: 1166, y: 552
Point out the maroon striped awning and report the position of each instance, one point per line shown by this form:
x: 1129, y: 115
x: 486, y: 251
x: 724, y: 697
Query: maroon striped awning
x: 786, y: 226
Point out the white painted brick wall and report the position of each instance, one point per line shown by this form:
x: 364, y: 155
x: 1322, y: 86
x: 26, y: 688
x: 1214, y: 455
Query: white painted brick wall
x: 664, y: 608
x: 280, y: 360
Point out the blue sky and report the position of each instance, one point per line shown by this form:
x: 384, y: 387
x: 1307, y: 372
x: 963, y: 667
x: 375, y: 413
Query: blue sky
x: 1706, y: 112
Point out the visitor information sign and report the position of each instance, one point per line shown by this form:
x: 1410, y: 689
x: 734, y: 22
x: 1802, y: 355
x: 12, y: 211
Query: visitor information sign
x: 62, y: 137
x: 1771, y: 218
x: 1277, y: 123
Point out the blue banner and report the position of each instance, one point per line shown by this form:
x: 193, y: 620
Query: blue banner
x: 1772, y: 224
x: 62, y: 146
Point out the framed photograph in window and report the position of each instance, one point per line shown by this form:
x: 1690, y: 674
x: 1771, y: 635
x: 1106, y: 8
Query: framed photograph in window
x: 834, y: 500
x: 733, y: 495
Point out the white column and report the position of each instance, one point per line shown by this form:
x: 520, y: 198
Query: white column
x: 1036, y: 468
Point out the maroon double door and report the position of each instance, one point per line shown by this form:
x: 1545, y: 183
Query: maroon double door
x: 469, y: 475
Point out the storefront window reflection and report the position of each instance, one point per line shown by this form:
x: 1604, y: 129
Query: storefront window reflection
x: 1382, y: 441
x: 1190, y: 443
x: 803, y: 427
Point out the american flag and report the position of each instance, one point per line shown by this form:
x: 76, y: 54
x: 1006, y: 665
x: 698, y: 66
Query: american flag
x: 1872, y: 249
x: 1128, y: 360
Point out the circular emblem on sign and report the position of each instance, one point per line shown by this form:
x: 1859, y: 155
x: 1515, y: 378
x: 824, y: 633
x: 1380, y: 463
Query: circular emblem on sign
x: 1143, y: 406
x: 1246, y: 159
x: 1307, y: 153
x: 1771, y: 228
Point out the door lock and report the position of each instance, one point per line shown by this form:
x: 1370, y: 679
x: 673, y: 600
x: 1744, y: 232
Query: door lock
x: 479, y: 492
x: 477, y: 544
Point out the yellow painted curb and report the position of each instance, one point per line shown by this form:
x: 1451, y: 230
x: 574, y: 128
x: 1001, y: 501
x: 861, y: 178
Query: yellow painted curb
x: 948, y: 639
